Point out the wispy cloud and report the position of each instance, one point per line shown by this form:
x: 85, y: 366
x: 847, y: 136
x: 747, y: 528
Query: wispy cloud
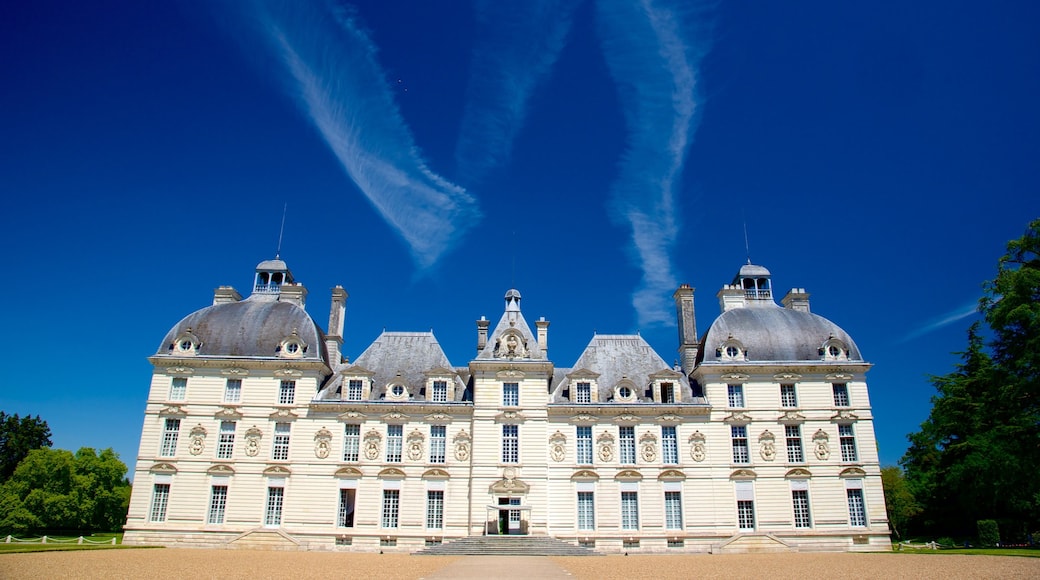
x: 941, y: 321
x: 516, y: 45
x: 654, y: 65
x: 335, y: 77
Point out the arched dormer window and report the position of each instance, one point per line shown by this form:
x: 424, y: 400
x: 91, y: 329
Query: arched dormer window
x: 186, y: 344
x: 396, y: 391
x: 731, y: 350
x: 834, y: 349
x: 292, y: 346
x: 625, y: 391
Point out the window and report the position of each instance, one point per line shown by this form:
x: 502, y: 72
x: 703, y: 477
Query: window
x: 800, y: 502
x: 667, y: 393
x: 178, y: 389
x: 273, y: 513
x: 585, y: 445
x: 287, y: 393
x: 345, y: 514
x: 857, y: 510
x: 669, y: 445
x: 510, y: 444
x: 351, y: 442
x: 740, y: 444
x: 583, y: 393
x: 732, y: 351
x: 736, y: 395
x: 510, y: 394
x: 217, y: 504
x: 586, y: 511
x: 394, y: 434
x: 171, y: 430
x: 160, y: 499
x: 673, y: 510
x: 440, y: 392
x: 280, y: 449
x: 233, y: 391
x: 794, y: 443
x: 847, y: 442
x: 746, y: 514
x: 438, y: 442
x: 391, y: 505
x: 788, y: 397
x: 435, y: 509
x: 226, y: 440
x: 629, y: 510
x: 354, y: 390
x: 841, y: 394
x: 627, y: 445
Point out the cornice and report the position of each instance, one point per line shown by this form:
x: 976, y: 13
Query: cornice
x: 377, y: 407
x: 244, y: 364
x: 580, y: 412
x: 768, y: 371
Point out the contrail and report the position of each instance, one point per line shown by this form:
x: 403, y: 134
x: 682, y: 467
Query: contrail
x: 944, y: 320
x: 654, y: 67
x: 335, y: 77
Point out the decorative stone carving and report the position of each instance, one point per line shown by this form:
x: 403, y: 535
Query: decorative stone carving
x: 734, y: 377
x: 198, y: 440
x: 511, y: 345
x: 698, y: 451
x: 415, y: 445
x: 737, y: 418
x: 253, y: 436
x: 798, y: 473
x: 557, y: 450
x: 283, y: 415
x: 227, y: 414
x: 648, y: 447
x: 180, y: 371
x: 844, y: 416
x: 820, y: 444
x: 626, y: 419
x: 583, y: 418
x: 163, y: 468
x: 605, y: 444
x: 234, y: 372
x: 767, y: 445
x: 351, y: 416
x: 394, y: 417
x: 462, y: 441
x: 288, y: 373
x: 322, y: 443
x: 669, y: 419
x: 743, y: 474
x: 839, y: 376
x: 172, y: 411
x: 437, y: 419
x: 373, y: 440
x: 786, y: 377
x: 672, y: 475
x: 277, y: 471
x: 220, y: 470
x: 510, y: 417
x: 791, y: 418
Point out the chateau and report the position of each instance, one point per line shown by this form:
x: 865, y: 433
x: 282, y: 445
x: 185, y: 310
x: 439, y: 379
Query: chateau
x: 259, y: 432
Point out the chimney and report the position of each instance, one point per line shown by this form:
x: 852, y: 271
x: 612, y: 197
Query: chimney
x: 731, y: 296
x: 482, y: 329
x: 796, y: 299
x: 684, y: 311
x: 543, y: 334
x: 337, y: 312
x: 293, y: 294
x: 225, y: 295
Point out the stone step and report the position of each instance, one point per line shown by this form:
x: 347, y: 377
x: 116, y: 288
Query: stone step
x: 506, y: 546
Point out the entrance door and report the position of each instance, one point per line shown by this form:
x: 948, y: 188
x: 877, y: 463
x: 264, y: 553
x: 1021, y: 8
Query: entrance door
x: 509, y: 520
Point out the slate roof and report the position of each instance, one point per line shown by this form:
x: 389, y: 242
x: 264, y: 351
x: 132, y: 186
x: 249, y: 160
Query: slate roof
x: 773, y: 333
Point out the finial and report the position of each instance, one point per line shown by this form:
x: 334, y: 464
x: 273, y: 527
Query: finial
x: 747, y: 246
x: 278, y: 252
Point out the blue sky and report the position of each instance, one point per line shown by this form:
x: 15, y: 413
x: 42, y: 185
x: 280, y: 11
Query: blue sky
x: 592, y: 153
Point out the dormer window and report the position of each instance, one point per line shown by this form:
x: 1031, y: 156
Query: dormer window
x: 625, y: 391
x: 292, y: 346
x: 731, y: 350
x: 834, y: 349
x: 186, y: 344
x: 397, y: 392
x: 583, y: 392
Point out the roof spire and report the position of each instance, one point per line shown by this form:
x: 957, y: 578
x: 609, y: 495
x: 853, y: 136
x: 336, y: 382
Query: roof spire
x: 278, y: 252
x: 747, y: 246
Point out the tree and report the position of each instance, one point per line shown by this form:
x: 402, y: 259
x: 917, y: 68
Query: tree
x: 54, y: 489
x: 18, y: 436
x: 899, y: 500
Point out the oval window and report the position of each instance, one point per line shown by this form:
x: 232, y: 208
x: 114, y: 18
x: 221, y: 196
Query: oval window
x: 397, y: 390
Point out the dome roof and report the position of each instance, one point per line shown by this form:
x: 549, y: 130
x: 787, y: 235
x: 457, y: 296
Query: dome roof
x: 753, y: 271
x: 249, y: 328
x: 275, y: 264
x: 775, y: 334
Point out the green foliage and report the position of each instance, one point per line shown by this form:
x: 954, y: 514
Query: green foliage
x: 899, y: 500
x: 989, y: 533
x: 53, y: 489
x: 18, y: 436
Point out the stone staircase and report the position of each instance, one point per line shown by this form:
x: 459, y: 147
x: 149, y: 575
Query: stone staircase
x: 506, y: 546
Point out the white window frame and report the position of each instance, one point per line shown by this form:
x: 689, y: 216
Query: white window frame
x: 171, y: 432
x: 218, y: 494
x: 510, y: 394
x: 841, y: 394
x: 741, y: 453
x: 583, y: 392
x: 355, y: 389
x: 439, y: 391
x: 510, y: 443
x: 800, y: 504
x: 847, y: 443
x: 629, y: 510
x: 586, y: 504
x: 788, y: 396
x: 627, y: 445
x: 669, y: 445
x: 673, y: 519
x: 287, y: 392
x: 233, y: 391
x: 391, y: 508
x: 280, y: 444
x: 347, y: 507
x: 351, y: 442
x: 438, y: 443
x: 274, y: 505
x: 793, y: 440
x: 584, y: 439
x: 435, y: 509
x: 226, y: 440
x: 857, y: 503
x: 160, y: 501
x: 745, y: 495
x: 735, y: 396
x: 178, y: 389
x: 394, y: 443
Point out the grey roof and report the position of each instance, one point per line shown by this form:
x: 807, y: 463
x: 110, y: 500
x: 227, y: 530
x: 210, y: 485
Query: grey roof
x: 275, y: 264
x: 512, y: 320
x: 615, y: 357
x: 753, y: 271
x: 249, y: 328
x: 405, y: 357
x: 772, y: 333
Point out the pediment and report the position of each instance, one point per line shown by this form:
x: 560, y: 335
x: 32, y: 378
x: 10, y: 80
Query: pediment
x: 665, y: 374
x: 629, y: 475
x: 798, y: 473
x: 844, y: 416
x: 672, y: 475
x: 585, y: 475
x: 791, y: 418
x: 348, y: 473
x: 439, y: 372
x: 852, y: 472
x: 626, y: 419
x: 735, y: 377
x: 737, y: 418
x: 510, y: 417
x: 180, y: 371
x: 669, y: 419
x: 582, y: 373
x: 583, y: 418
x: 743, y: 474
x: 509, y: 375
x: 787, y: 377
x: 356, y: 371
x: 509, y: 486
x: 277, y: 471
x: 435, y: 474
x: 283, y: 415
x: 394, y: 417
x: 839, y: 376
x: 228, y: 414
x: 173, y: 411
x: 437, y: 419
x: 235, y: 372
x: 220, y: 469
x: 391, y: 473
x: 163, y: 468
x: 351, y: 416
x: 288, y: 373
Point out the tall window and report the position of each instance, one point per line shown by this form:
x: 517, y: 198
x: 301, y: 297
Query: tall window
x: 800, y: 502
x: 345, y: 514
x: 673, y: 510
x: 740, y: 444
x: 160, y: 499
x: 841, y: 394
x: 394, y: 435
x: 280, y: 449
x: 391, y: 505
x: 178, y: 389
x: 354, y: 390
x: 351, y: 442
x: 440, y: 392
x: 510, y: 444
x: 746, y: 514
x: 217, y: 504
x: 233, y: 391
x: 793, y: 434
x: 438, y: 443
x: 788, y: 396
x: 510, y: 394
x: 287, y: 393
x: 583, y: 393
x: 629, y: 510
x: 847, y: 441
x: 586, y: 511
x: 857, y: 510
x: 273, y: 511
x: 669, y: 445
x: 435, y: 509
x: 667, y: 393
x: 171, y: 430
x: 736, y: 395
x: 226, y: 440
x: 585, y: 445
x: 627, y: 445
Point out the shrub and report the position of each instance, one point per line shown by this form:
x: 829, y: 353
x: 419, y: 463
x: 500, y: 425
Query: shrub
x: 989, y: 533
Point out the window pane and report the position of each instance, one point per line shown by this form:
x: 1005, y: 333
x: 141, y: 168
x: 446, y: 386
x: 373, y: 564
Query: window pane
x: 440, y: 392
x: 345, y: 516
x: 800, y: 501
x: 391, y: 504
x: 226, y: 440
x: 794, y: 443
x: 788, y: 397
x: 510, y: 444
x: 740, y: 444
x: 735, y: 395
x: 669, y: 445
x: 178, y: 389
x: 672, y: 510
x: 629, y: 510
x: 280, y: 449
x: 171, y: 430
x: 585, y: 445
x: 586, y: 511
x: 841, y: 395
x: 746, y: 514
x: 510, y: 394
x: 857, y: 511
x: 351, y: 442
x: 160, y: 498
x: 438, y: 443
x: 273, y: 513
x: 435, y: 509
x: 354, y: 390
x: 233, y: 391
x: 394, y: 434
x: 217, y: 504
x: 628, y: 445
x: 287, y: 393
